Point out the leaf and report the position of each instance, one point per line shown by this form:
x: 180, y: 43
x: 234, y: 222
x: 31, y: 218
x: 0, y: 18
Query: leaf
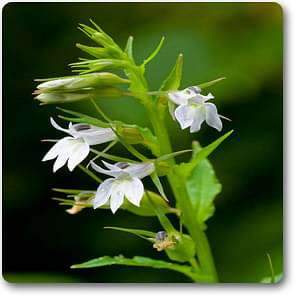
x: 210, y: 83
x: 158, y: 185
x: 185, y: 169
x: 140, y: 261
x: 172, y: 82
x: 82, y: 118
x: 202, y: 187
x: 138, y: 232
x: 155, y: 52
x: 128, y: 48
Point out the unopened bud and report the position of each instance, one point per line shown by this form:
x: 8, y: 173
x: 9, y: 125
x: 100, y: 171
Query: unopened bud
x: 97, y: 52
x: 81, y: 81
x: 57, y: 97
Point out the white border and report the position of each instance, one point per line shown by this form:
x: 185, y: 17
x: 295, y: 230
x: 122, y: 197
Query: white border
x: 290, y: 287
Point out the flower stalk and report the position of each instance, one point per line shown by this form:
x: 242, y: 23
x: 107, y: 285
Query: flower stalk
x: 204, y: 254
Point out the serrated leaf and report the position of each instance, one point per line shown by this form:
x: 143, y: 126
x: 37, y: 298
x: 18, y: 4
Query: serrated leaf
x: 140, y: 261
x: 202, y: 187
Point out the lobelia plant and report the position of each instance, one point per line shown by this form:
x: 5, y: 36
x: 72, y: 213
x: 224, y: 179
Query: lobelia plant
x: 193, y: 183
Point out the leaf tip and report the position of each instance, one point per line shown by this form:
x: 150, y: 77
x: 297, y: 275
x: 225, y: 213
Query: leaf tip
x: 74, y: 267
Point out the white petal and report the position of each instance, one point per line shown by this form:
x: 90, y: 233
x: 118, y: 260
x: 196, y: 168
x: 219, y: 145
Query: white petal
x: 208, y: 97
x: 56, y: 149
x: 93, y: 135
x: 103, y: 193
x: 106, y: 172
x: 140, y: 170
x: 78, y: 154
x: 179, y: 97
x: 212, y: 117
x: 99, y: 136
x: 60, y: 161
x: 56, y: 126
x: 65, y: 153
x: 134, y: 190
x: 199, y: 118
x: 184, y: 115
x: 57, y: 83
x: 117, y: 196
x: 111, y: 166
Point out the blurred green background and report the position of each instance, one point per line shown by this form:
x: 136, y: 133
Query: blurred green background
x: 242, y: 41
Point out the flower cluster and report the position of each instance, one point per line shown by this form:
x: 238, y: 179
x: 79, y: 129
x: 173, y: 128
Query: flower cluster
x: 123, y: 188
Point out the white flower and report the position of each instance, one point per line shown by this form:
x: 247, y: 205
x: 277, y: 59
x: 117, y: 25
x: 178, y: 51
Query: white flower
x: 76, y: 147
x: 193, y: 109
x: 126, y: 182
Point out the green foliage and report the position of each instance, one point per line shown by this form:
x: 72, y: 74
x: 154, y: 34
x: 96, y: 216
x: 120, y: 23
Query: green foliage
x: 138, y: 232
x: 184, y: 249
x: 172, y: 82
x: 154, y: 53
x: 139, y: 261
x: 202, y: 187
x: 210, y: 83
x: 185, y: 169
x: 128, y: 49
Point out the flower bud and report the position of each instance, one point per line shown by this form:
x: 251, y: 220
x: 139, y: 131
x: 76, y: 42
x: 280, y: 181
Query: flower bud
x: 97, y: 52
x: 52, y: 98
x: 57, y: 97
x: 98, y: 64
x: 81, y: 81
x: 131, y: 135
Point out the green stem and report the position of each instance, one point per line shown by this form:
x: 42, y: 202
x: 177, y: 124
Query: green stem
x: 198, y: 235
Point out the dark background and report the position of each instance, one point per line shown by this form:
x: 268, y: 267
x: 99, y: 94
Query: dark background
x: 240, y: 41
